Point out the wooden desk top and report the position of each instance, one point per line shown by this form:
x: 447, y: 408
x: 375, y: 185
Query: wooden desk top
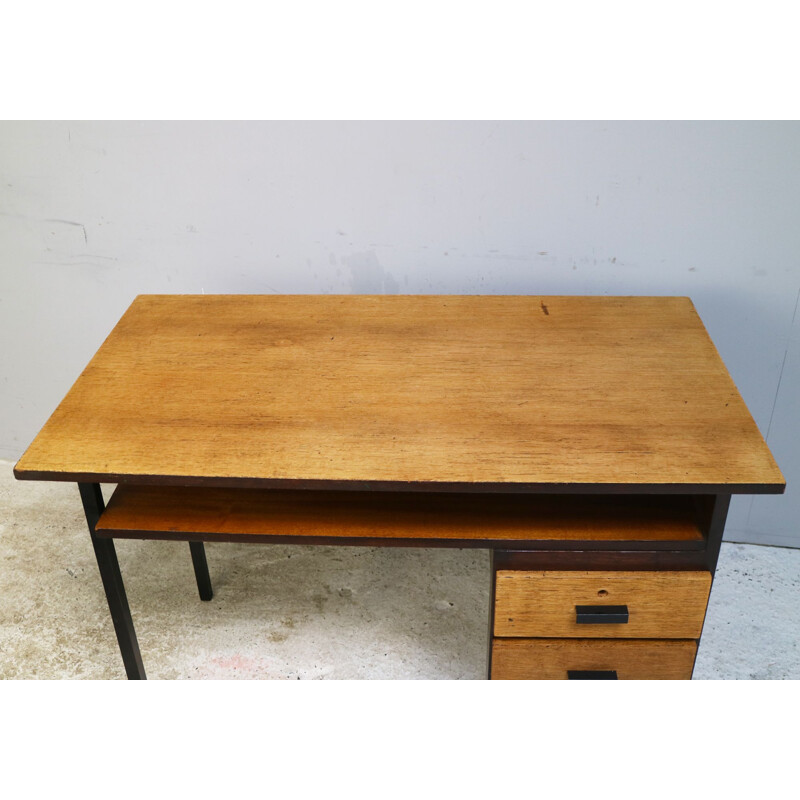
x: 470, y: 393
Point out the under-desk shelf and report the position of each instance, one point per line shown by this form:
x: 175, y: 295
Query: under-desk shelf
x: 507, y: 521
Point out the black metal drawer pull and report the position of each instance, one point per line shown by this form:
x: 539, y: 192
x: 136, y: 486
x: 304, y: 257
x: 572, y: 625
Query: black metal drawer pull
x: 595, y: 615
x: 592, y: 674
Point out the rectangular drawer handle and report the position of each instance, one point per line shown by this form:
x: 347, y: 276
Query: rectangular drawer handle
x: 592, y: 674
x: 595, y: 615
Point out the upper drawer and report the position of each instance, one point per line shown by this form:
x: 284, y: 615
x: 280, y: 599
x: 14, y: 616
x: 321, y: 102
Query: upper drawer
x: 668, y: 605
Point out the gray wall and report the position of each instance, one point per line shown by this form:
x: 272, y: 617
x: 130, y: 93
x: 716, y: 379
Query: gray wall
x: 92, y: 214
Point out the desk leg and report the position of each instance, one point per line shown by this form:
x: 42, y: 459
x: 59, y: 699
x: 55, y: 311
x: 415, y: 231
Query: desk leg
x: 201, y: 570
x: 106, y: 555
x: 490, y: 642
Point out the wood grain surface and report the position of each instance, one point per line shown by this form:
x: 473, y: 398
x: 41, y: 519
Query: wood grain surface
x: 549, y: 659
x: 440, y: 392
x: 164, y: 512
x: 669, y: 605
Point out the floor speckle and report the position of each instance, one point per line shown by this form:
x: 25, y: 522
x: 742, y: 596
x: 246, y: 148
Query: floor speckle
x: 294, y: 612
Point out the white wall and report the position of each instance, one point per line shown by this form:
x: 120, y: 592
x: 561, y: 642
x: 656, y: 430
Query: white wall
x: 92, y: 214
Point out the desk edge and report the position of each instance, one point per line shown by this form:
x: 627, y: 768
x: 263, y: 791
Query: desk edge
x: 404, y: 486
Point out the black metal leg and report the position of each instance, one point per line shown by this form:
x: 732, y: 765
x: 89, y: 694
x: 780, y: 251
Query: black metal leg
x: 492, y: 587
x: 201, y: 570
x: 106, y: 555
x: 717, y: 529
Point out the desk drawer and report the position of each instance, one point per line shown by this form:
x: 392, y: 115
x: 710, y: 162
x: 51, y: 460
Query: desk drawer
x: 553, y: 659
x: 661, y: 605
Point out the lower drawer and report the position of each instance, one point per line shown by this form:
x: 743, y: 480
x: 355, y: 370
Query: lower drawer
x: 631, y: 659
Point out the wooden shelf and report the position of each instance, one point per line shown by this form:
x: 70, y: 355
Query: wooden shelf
x: 403, y: 518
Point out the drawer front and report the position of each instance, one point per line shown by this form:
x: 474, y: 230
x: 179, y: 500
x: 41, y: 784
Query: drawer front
x: 553, y: 659
x: 668, y: 605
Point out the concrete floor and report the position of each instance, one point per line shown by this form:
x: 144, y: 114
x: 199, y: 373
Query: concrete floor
x: 312, y: 612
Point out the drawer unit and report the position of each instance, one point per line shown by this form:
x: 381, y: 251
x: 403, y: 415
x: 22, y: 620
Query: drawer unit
x: 560, y: 659
x: 601, y: 604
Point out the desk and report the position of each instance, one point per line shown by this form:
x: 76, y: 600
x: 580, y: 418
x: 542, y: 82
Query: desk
x: 591, y: 443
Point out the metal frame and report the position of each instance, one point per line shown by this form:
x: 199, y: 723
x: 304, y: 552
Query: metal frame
x: 201, y: 570
x: 106, y: 554
x: 715, y: 514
